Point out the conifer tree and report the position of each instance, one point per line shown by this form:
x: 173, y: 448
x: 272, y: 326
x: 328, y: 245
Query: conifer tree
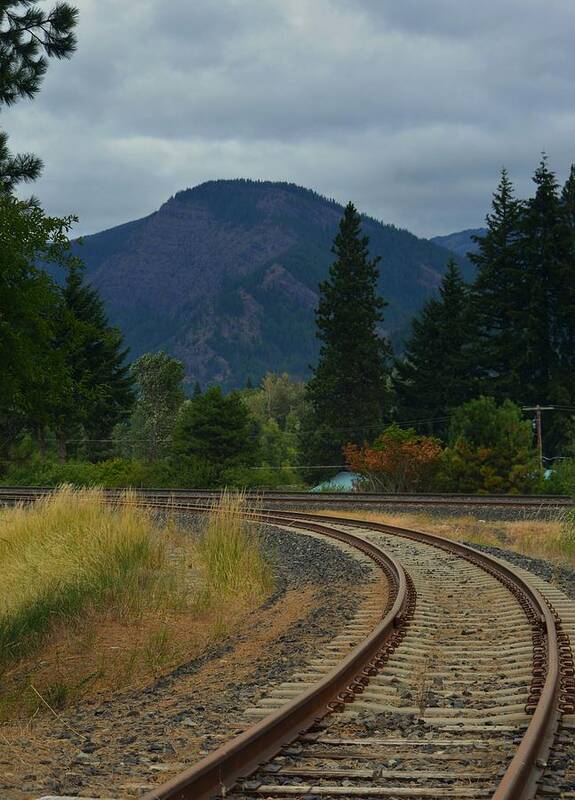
x: 101, y: 387
x: 549, y: 323
x: 498, y: 296
x: 548, y: 365
x: 29, y: 35
x: 568, y: 199
x: 348, y: 392
x: 213, y: 433
x: 436, y: 373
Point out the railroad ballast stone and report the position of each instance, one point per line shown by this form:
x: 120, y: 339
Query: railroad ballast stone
x: 151, y: 724
x: 559, y: 575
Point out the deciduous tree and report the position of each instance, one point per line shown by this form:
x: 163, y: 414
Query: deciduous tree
x: 398, y: 461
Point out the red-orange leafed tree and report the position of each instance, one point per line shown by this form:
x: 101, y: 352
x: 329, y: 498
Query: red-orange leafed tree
x: 398, y: 461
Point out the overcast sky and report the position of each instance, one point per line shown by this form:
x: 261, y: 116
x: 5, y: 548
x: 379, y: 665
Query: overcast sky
x: 407, y: 107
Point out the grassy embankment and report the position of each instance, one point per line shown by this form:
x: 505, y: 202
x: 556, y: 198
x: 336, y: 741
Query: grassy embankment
x: 95, y: 598
x: 549, y: 539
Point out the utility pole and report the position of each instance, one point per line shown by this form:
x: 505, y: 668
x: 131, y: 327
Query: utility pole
x: 538, y: 409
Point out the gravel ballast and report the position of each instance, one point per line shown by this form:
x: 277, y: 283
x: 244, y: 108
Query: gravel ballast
x: 121, y: 745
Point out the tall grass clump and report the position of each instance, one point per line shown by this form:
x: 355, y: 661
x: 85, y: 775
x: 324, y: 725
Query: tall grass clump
x: 567, y: 535
x: 231, y: 550
x: 71, y: 552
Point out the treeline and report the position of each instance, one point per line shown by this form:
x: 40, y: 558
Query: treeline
x: 477, y: 356
x: 64, y: 378
x: 247, y: 438
x: 510, y: 335
x: 71, y: 409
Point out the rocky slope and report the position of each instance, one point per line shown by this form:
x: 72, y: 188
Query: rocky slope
x: 225, y: 276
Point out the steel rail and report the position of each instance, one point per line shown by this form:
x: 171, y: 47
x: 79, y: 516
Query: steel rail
x: 221, y: 769
x: 16, y: 494
x: 520, y: 779
x: 523, y: 772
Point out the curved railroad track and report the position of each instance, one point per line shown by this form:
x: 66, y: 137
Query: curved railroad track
x: 464, y: 688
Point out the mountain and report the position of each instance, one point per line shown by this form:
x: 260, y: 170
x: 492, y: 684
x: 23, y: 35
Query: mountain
x: 225, y: 277
x: 460, y: 242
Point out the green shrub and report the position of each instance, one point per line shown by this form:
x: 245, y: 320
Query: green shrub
x: 490, y: 450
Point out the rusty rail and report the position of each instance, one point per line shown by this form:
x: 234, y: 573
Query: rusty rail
x: 224, y: 766
x: 239, y: 757
x: 15, y: 494
x: 523, y: 772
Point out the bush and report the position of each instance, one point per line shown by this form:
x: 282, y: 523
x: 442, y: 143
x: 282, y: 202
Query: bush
x: 398, y: 461
x: 114, y: 473
x: 490, y: 450
x: 561, y: 479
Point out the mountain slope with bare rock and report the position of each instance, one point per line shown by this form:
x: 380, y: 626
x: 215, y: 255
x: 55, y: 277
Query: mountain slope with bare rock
x: 225, y: 276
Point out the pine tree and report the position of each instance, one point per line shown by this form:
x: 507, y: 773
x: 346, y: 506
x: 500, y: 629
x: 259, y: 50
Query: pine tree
x: 101, y: 388
x: 498, y: 295
x: 568, y: 199
x: 214, y: 432
x: 547, y: 365
x: 348, y: 392
x: 28, y: 37
x: 436, y: 372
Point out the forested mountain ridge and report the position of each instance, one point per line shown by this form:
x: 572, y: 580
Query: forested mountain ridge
x: 460, y: 242
x: 224, y: 276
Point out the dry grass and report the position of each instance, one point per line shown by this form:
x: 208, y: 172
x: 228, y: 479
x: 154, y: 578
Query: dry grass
x: 550, y: 539
x: 96, y: 598
x: 230, y: 549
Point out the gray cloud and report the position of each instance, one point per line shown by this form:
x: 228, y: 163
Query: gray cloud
x: 409, y: 108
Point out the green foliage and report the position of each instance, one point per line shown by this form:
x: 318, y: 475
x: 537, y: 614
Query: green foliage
x: 28, y: 37
x: 497, y: 296
x: 490, y: 449
x: 99, y: 389
x: 277, y: 407
x: 560, y: 479
x: 34, y: 373
x: 112, y: 473
x: 148, y: 433
x: 436, y: 373
x: 213, y: 433
x: 348, y: 391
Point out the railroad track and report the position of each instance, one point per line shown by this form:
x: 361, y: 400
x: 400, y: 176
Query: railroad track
x: 464, y: 688
x: 19, y: 494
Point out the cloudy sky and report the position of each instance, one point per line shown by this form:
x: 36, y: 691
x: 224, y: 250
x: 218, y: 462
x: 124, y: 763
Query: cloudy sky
x: 407, y: 107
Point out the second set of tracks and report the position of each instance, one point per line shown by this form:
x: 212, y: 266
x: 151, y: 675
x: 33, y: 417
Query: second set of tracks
x: 463, y: 685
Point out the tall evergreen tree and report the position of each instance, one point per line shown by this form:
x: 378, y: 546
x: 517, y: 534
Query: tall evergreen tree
x: 101, y: 387
x: 568, y: 199
x: 29, y: 35
x: 348, y: 392
x: 498, y: 296
x: 548, y: 364
x: 436, y: 373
